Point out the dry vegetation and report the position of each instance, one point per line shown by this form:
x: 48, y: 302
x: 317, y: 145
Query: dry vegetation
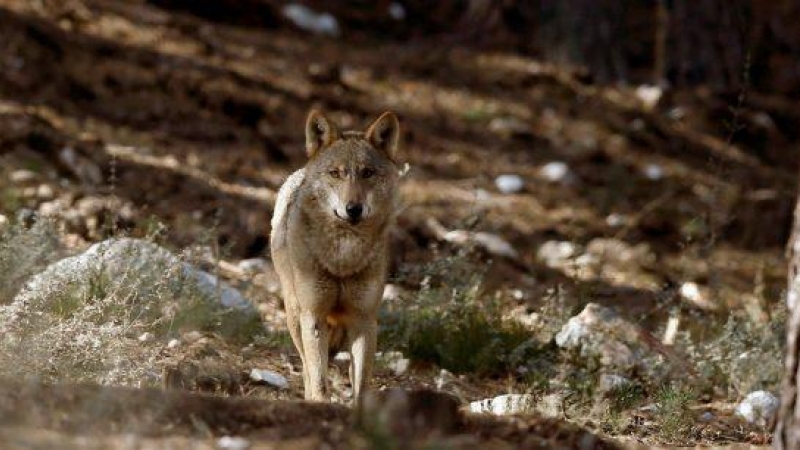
x: 145, y: 119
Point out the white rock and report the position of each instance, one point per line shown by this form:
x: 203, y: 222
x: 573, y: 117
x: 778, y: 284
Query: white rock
x: 616, y: 220
x: 193, y: 336
x: 342, y: 357
x: 173, y: 343
x: 126, y: 261
x: 22, y: 176
x: 690, y: 291
x: 649, y: 95
x: 599, y: 332
x: 556, y: 254
x: 146, y: 337
x: 654, y: 172
x: 310, y: 20
x: 556, y: 172
x: 758, y: 408
x: 492, y: 243
x: 397, y: 11
x: 267, y: 376
x: 232, y: 443
x: 444, y: 380
x: 3, y: 221
x: 509, y: 126
x: 615, y: 250
x: 552, y: 406
x: 609, y: 382
x: 395, y: 361
x: 504, y: 404
x: 253, y: 266
x: 495, y: 245
x: 45, y: 192
x: 390, y: 292
x: 509, y: 183
x: 51, y: 208
x: 697, y: 295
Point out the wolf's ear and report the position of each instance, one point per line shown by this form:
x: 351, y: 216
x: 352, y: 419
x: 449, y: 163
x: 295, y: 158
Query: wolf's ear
x: 320, y: 132
x: 384, y: 134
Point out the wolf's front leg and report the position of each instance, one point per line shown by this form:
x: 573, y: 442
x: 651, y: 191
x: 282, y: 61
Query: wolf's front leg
x: 315, y: 336
x: 363, y: 336
x: 293, y: 324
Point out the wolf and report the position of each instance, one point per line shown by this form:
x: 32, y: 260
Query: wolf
x: 330, y: 245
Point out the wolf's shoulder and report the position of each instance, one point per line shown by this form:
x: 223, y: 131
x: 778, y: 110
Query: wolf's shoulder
x: 286, y: 196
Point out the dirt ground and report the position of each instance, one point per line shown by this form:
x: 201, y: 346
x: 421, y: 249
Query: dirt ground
x: 193, y: 123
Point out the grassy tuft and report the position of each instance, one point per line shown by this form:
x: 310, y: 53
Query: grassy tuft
x: 674, y: 416
x: 453, y: 323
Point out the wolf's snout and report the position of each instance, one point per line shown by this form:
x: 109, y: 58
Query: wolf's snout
x: 354, y: 211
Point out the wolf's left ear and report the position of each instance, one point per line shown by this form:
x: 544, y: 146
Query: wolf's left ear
x: 320, y: 132
x: 384, y: 134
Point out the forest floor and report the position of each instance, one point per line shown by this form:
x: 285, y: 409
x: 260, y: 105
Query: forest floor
x: 182, y: 129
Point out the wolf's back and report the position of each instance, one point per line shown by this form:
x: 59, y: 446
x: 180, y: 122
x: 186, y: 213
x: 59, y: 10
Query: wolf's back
x: 287, y: 195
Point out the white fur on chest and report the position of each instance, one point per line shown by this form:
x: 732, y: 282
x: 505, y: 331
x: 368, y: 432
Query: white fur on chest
x: 343, y: 253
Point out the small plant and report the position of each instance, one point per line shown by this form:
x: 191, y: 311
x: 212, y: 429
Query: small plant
x: 625, y: 397
x: 674, y: 416
x: 744, y: 356
x: 454, y: 324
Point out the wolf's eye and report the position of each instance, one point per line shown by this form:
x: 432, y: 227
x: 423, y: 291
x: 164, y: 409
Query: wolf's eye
x: 367, y: 173
x: 335, y: 173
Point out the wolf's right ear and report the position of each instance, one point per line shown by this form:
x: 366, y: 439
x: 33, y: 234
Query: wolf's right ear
x: 320, y: 132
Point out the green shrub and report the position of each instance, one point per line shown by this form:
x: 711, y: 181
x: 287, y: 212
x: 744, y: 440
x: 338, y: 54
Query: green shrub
x: 453, y: 323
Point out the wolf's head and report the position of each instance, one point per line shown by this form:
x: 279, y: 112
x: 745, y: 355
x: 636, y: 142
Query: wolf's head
x: 352, y: 175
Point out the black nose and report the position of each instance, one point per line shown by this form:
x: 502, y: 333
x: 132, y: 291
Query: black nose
x: 354, y: 210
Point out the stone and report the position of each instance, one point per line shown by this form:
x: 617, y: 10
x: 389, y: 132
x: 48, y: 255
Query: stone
x: 307, y: 19
x: 394, y: 361
x: 233, y: 443
x: 556, y: 254
x: 599, y: 332
x: 653, y: 172
x: 269, y: 377
x: 509, y: 183
x: 502, y: 405
x: 124, y: 260
x: 759, y: 408
x: 556, y: 172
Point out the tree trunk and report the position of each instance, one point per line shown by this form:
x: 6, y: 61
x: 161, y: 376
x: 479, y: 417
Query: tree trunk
x: 787, y: 431
x: 660, y: 49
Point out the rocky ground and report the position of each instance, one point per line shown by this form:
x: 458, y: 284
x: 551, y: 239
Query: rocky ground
x: 605, y: 258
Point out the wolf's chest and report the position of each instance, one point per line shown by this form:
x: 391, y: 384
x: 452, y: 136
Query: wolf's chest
x: 343, y: 254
